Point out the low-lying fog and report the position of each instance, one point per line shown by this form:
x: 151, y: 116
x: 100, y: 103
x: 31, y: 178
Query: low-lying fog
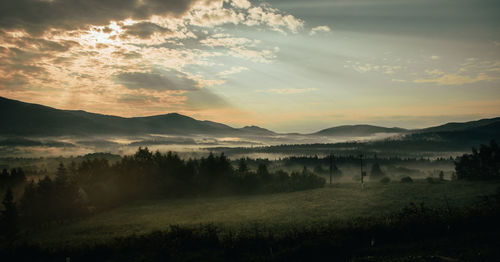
x: 186, y: 145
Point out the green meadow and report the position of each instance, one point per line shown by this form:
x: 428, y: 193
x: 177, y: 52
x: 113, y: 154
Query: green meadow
x: 339, y: 203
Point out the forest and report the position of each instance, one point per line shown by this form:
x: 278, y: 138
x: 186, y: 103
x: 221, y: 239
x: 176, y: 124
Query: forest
x: 41, y: 202
x: 95, y: 185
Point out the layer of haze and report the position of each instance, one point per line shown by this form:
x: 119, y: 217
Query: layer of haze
x: 287, y: 65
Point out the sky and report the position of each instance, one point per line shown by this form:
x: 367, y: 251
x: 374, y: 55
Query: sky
x: 286, y: 65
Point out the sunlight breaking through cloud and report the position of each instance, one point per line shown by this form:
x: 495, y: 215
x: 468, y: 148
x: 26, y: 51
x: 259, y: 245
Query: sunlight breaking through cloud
x: 82, y: 63
x: 119, y: 58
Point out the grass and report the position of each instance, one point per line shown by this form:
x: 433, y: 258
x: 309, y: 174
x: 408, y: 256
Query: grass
x: 338, y: 203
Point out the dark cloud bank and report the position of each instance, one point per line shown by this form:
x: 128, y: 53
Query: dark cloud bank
x: 35, y: 16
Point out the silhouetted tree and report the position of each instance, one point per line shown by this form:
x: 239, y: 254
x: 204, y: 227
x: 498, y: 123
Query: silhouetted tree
x: 9, y: 219
x: 72, y: 169
x: 441, y: 175
x: 242, y: 166
x: 46, y: 199
x: 262, y: 172
x: 61, y: 176
x: 12, y: 179
x: 376, y: 172
x: 336, y: 171
x: 482, y: 164
x: 65, y: 194
x: 4, y: 179
x: 30, y: 207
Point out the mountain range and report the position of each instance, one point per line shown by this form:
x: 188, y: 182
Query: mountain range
x: 358, y: 130
x: 25, y: 119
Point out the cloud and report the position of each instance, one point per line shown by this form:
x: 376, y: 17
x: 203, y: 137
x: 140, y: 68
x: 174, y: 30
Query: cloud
x: 261, y: 56
x: 144, y: 29
x: 232, y: 70
x: 475, y: 69
x: 24, y: 58
x: 454, y: 79
x: 228, y: 42
x: 13, y: 81
x: 471, y: 71
x: 241, y: 12
x: 204, y: 99
x: 390, y: 70
x: 319, y: 29
x: 434, y: 72
x: 137, y: 99
x: 244, y: 4
x: 127, y: 55
x: 365, y: 68
x: 214, y: 15
x: 36, y: 16
x: 241, y: 47
x: 387, y: 69
x: 37, y: 44
x: 291, y: 91
x: 272, y: 18
x: 110, y: 56
x: 167, y: 80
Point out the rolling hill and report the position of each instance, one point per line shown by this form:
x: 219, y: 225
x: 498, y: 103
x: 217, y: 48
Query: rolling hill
x: 25, y: 119
x: 357, y: 130
x: 454, y: 126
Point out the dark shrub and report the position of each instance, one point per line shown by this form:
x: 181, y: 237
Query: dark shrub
x: 406, y: 179
x: 385, y: 180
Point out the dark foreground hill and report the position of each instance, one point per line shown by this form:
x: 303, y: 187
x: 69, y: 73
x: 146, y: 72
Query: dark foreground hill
x: 25, y: 119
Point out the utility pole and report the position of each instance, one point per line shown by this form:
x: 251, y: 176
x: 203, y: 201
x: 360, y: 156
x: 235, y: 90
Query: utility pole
x: 363, y: 173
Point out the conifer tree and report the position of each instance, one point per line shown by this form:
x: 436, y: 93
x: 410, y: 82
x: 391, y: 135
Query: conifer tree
x: 242, y: 166
x: 9, y: 215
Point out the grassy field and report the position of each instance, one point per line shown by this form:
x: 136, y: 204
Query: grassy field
x: 338, y: 203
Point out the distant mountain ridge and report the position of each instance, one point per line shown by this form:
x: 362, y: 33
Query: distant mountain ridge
x: 470, y: 133
x: 258, y: 130
x: 358, y: 130
x: 25, y: 119
x: 454, y: 126
x: 19, y: 118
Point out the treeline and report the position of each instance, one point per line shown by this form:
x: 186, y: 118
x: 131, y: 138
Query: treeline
x: 482, y: 164
x: 410, y: 145
x: 95, y: 184
x: 52, y: 200
x: 11, y: 179
x: 342, y: 159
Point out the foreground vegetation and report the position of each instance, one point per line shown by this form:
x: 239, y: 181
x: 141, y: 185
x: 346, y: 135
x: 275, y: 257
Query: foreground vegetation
x: 206, y: 209
x: 398, y: 222
x: 339, y: 204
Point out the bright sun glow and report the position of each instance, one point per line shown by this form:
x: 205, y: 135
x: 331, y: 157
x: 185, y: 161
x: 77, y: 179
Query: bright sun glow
x: 103, y: 34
